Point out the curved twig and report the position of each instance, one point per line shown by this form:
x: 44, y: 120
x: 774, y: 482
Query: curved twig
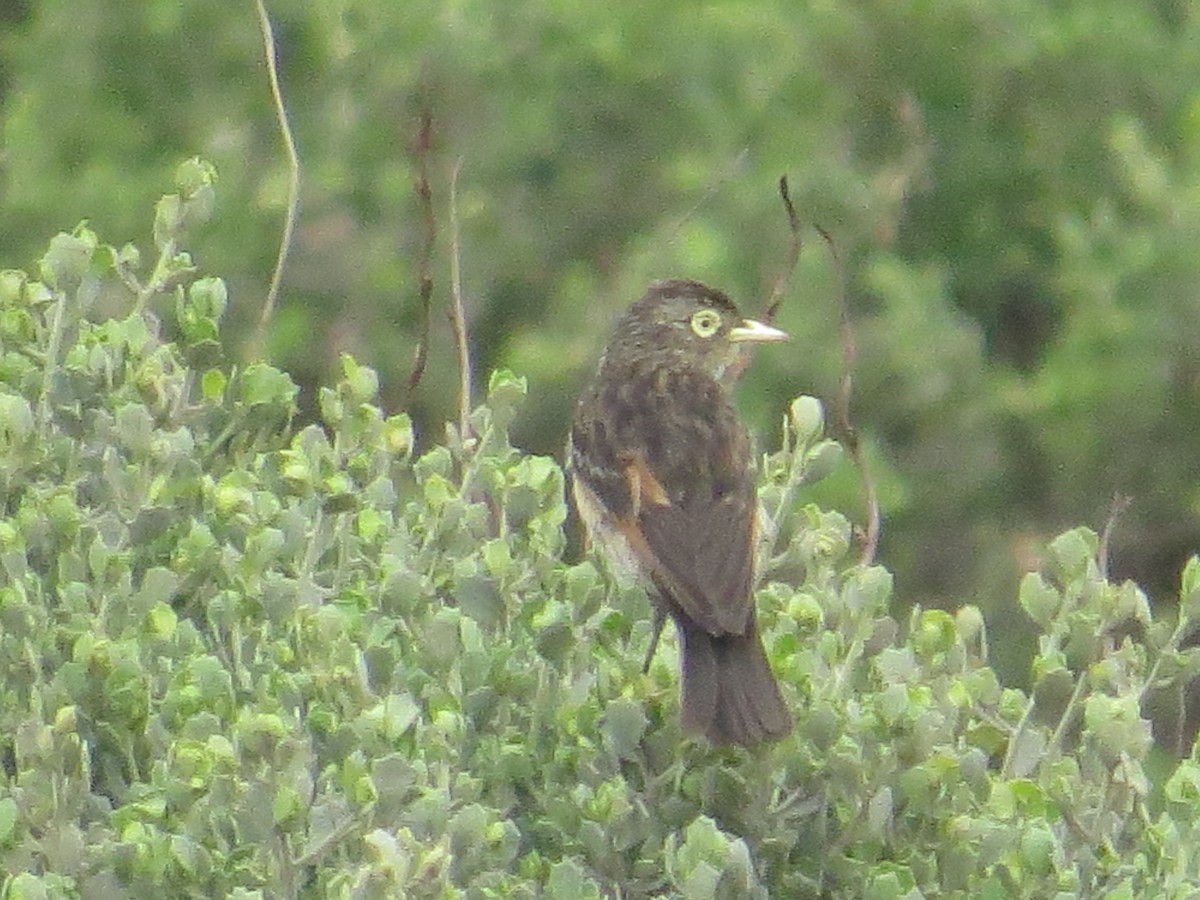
x: 794, y: 248
x: 870, y: 539
x: 425, y: 264
x: 289, y: 143
x: 1120, y: 503
x: 458, y: 319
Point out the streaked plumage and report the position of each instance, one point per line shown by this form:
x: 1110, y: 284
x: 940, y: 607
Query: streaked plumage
x: 663, y: 479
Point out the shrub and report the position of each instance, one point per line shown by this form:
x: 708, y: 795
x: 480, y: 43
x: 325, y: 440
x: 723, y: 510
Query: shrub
x: 240, y: 657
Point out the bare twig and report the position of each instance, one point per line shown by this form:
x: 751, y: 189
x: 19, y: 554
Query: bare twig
x: 289, y: 143
x: 733, y: 169
x: 458, y: 318
x: 1068, y: 716
x: 781, y: 283
x: 425, y: 264
x: 870, y: 541
x: 57, y: 326
x: 1120, y: 503
x: 317, y: 849
x: 1010, y: 755
x: 795, y: 245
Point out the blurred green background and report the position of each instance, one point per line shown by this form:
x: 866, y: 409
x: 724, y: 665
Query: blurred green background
x: 1013, y: 187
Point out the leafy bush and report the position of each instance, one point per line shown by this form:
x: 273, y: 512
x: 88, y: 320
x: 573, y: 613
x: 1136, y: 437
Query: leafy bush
x: 240, y: 659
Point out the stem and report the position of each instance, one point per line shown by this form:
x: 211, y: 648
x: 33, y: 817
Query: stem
x: 1172, y: 645
x: 1018, y: 732
x: 795, y: 245
x: 155, y: 282
x: 429, y: 239
x: 55, y: 344
x: 311, y: 552
x: 317, y: 850
x: 457, y: 316
x: 870, y: 542
x: 1069, y: 713
x: 289, y: 143
x: 230, y: 429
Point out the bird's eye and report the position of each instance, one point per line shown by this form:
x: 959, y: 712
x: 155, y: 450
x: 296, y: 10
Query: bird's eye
x: 706, y: 322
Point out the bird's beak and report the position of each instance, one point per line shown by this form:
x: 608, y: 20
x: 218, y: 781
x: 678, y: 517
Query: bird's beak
x: 753, y: 331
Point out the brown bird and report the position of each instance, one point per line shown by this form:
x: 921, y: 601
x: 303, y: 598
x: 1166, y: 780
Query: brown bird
x: 663, y: 480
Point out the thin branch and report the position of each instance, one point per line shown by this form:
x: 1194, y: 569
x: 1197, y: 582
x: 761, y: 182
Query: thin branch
x: 458, y: 319
x: 318, y: 848
x: 425, y: 264
x: 870, y: 543
x: 733, y: 169
x: 1120, y: 503
x: 1069, y: 714
x: 785, y: 276
x: 1010, y: 755
x: 57, y: 326
x: 794, y: 248
x: 289, y: 143
x: 1171, y: 647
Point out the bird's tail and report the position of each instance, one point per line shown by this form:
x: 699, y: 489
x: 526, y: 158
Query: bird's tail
x: 728, y: 691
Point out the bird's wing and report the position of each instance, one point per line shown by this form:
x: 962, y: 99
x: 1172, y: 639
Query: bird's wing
x: 702, y: 557
x: 690, y: 516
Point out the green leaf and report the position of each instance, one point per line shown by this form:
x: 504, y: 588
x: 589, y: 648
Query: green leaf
x: 497, y: 557
x: 935, y: 632
x: 209, y: 297
x: 1040, y: 601
x: 1017, y: 797
x: 1073, y: 553
x: 1118, y: 725
x: 398, y: 434
x: 880, y: 810
x: 1189, y: 590
x: 393, y: 716
x: 896, y: 665
x: 287, y: 805
x: 480, y: 598
x: 968, y: 621
x: 9, y: 814
x: 162, y: 621
x: 193, y: 175
x: 569, y: 881
x: 12, y: 283
x: 1038, y: 847
x: 168, y: 220
x: 701, y: 882
x: 505, y: 393
x: 820, y: 461
x: 136, y: 428
x: 625, y: 723
x: 806, y: 416
x: 25, y: 886
x: 16, y: 419
x: 361, y: 381
x: 68, y: 258
x: 265, y: 385
x: 438, y: 491
x: 1028, y: 752
x: 212, y: 385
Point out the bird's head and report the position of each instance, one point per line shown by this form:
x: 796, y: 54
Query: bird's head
x: 686, y: 324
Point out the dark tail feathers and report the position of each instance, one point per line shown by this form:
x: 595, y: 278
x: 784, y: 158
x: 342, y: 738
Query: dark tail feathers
x: 728, y: 690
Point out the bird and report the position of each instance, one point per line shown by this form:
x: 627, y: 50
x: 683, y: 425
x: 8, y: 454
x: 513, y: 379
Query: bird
x: 663, y: 480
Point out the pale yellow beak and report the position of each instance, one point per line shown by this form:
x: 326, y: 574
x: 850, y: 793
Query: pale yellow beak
x: 751, y: 330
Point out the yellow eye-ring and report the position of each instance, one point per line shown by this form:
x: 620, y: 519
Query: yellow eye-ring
x: 706, y: 322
